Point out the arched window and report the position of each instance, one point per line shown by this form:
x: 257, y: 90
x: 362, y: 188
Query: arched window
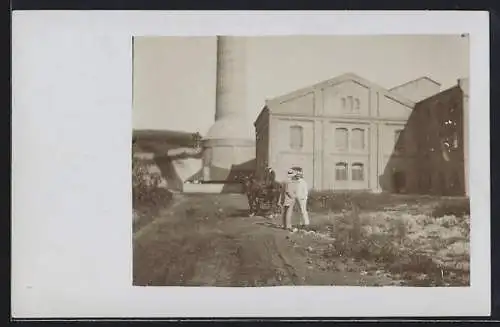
x: 296, y: 137
x: 351, y: 103
x: 341, y: 171
x: 358, y: 172
x: 357, y: 106
x: 341, y: 138
x: 358, y: 139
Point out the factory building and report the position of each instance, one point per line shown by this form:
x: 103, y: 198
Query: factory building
x: 348, y: 133
x: 440, y: 128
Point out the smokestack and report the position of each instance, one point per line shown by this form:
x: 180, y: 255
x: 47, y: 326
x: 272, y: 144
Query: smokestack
x: 231, y: 77
x: 230, y: 141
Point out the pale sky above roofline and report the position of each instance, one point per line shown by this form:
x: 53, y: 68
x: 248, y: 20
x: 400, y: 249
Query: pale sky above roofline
x: 174, y: 77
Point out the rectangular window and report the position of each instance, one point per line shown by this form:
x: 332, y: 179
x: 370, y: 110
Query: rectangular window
x: 296, y: 137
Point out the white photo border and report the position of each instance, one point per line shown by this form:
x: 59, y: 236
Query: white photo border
x: 71, y: 185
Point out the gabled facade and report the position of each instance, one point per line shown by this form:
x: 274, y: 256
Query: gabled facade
x: 343, y: 132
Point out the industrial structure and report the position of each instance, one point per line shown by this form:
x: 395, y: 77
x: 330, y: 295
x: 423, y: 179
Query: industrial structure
x: 226, y: 151
x: 229, y: 146
x: 348, y: 133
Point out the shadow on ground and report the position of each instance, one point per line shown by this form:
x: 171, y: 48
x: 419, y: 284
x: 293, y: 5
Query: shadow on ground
x: 208, y: 240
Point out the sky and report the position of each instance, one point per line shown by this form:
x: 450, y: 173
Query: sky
x: 174, y: 77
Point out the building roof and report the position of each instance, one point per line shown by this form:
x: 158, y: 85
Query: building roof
x: 337, y: 80
x: 415, y: 80
x: 436, y: 96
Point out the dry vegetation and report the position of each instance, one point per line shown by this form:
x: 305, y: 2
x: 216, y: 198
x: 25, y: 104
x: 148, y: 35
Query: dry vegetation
x: 419, y: 240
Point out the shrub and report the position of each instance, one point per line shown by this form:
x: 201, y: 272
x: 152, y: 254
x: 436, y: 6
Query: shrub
x: 455, y: 207
x: 146, y: 190
x: 354, y: 237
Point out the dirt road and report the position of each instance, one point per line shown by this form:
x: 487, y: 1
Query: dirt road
x: 208, y: 240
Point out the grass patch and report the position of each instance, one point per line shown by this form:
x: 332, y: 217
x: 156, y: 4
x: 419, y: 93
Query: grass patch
x: 418, y: 249
x: 452, y: 207
x: 325, y: 201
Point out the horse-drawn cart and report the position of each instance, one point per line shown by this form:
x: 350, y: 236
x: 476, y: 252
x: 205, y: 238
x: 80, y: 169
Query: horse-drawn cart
x: 263, y: 196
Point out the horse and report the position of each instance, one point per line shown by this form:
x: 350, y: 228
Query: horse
x: 267, y: 192
x: 252, y: 188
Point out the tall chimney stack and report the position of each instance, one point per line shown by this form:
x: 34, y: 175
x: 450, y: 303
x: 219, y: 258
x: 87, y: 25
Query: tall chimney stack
x: 230, y: 142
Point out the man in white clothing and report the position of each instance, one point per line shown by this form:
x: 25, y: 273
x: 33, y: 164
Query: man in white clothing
x: 302, y: 194
x: 295, y: 190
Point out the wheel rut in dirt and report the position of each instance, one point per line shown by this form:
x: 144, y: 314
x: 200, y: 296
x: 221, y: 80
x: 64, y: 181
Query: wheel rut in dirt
x: 206, y: 240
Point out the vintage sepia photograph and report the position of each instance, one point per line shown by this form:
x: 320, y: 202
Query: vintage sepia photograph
x: 301, y: 160
x: 173, y: 165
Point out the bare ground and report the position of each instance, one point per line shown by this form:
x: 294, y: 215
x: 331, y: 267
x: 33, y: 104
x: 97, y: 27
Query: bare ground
x: 209, y: 240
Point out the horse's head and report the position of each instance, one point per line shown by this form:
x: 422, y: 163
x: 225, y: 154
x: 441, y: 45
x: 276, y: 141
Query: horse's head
x: 249, y: 181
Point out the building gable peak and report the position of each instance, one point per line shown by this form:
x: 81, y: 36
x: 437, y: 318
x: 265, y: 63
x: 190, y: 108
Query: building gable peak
x: 345, y: 77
